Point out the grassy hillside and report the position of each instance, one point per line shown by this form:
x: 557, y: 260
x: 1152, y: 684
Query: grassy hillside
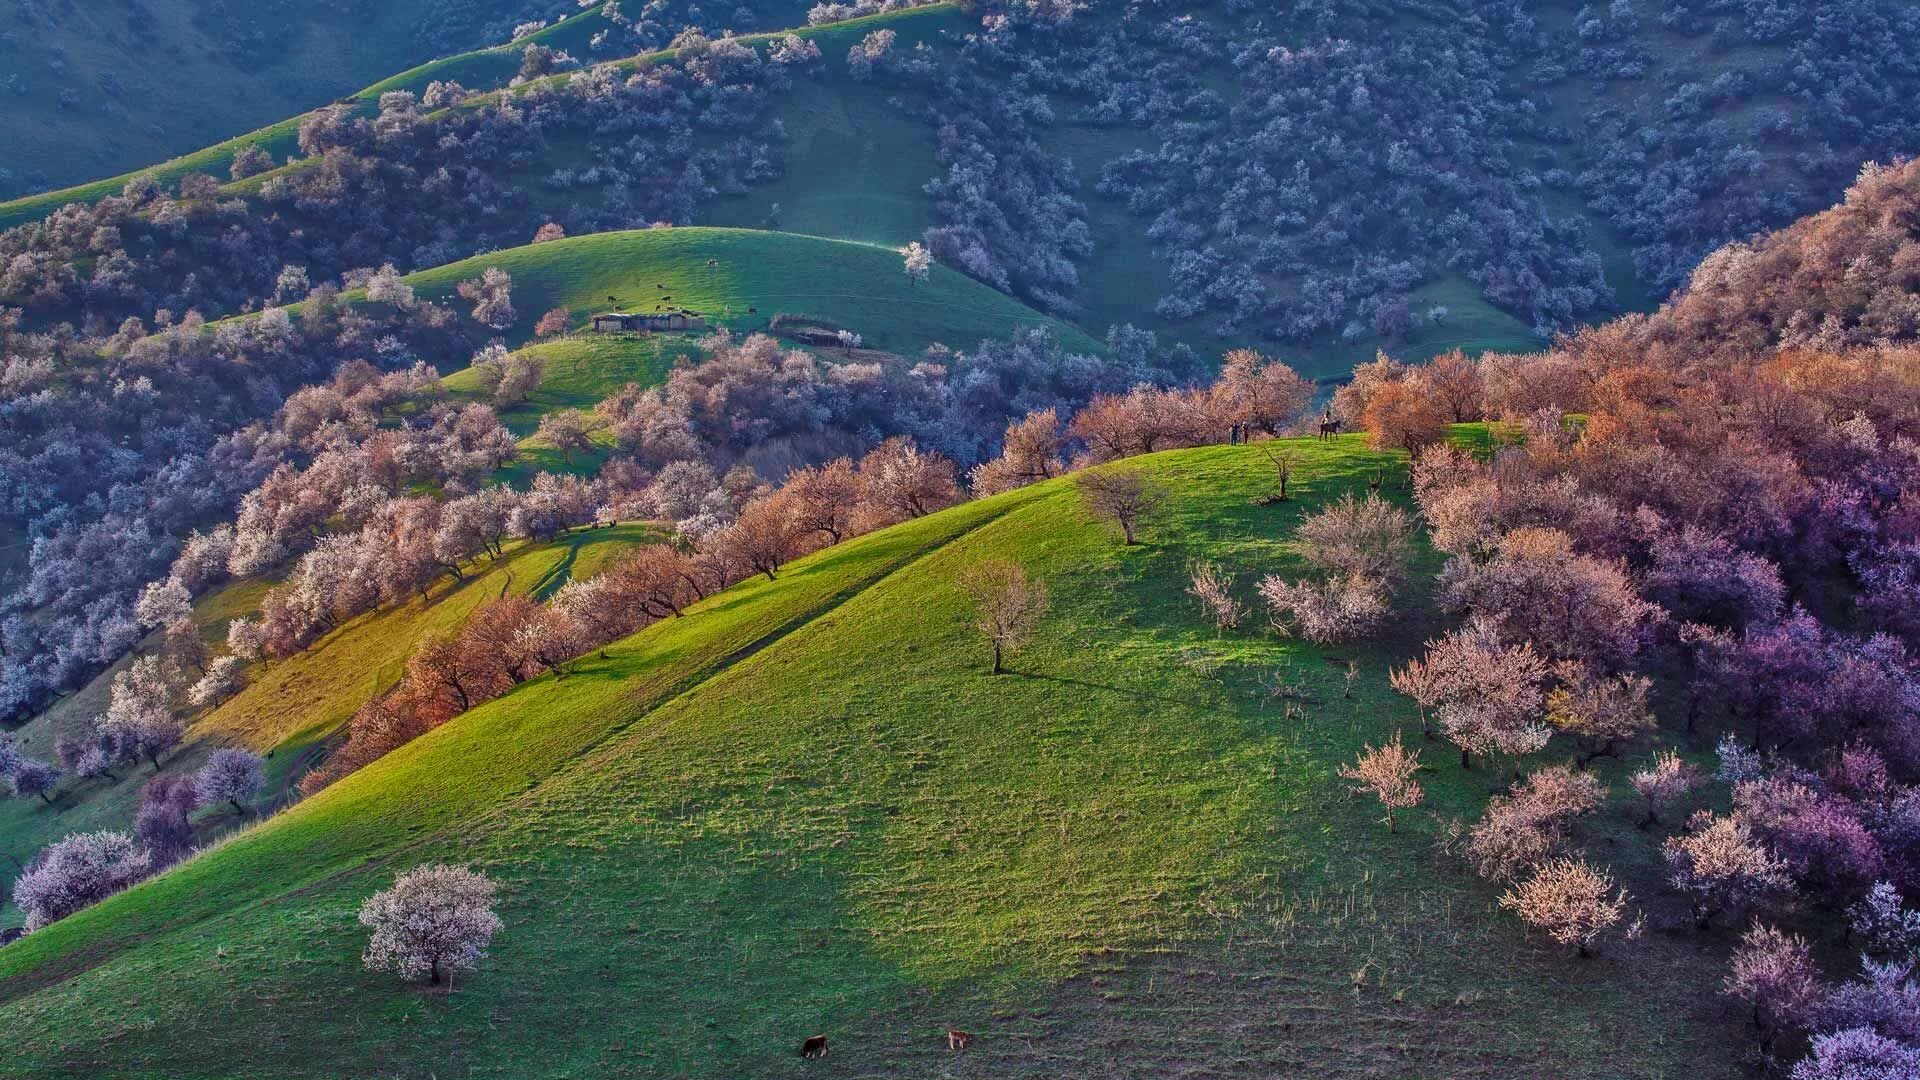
x: 806, y: 808
x: 742, y: 278
x: 292, y: 705
x: 289, y: 706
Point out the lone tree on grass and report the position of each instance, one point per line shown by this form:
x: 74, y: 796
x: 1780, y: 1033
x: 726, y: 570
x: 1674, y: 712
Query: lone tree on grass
x: 1123, y: 497
x: 230, y: 775
x: 1574, y: 903
x: 1387, y: 771
x: 919, y: 262
x: 1285, y: 462
x: 1007, y: 605
x: 568, y: 432
x: 436, y: 920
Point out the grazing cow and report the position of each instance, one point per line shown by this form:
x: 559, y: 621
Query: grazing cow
x: 814, y: 1047
x: 958, y: 1040
x: 711, y: 263
x: 753, y: 311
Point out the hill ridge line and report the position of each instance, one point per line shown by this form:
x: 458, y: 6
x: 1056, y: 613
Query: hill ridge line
x: 36, y: 206
x: 25, y: 983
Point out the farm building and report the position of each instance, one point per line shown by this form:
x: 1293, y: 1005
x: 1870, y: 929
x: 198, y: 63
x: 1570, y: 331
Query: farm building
x: 807, y: 330
x: 616, y: 321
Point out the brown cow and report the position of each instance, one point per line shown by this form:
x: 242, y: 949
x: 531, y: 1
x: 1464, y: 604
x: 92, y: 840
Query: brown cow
x: 958, y: 1040
x: 814, y: 1047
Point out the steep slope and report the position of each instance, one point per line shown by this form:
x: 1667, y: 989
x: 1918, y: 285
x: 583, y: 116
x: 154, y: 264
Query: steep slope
x: 292, y: 704
x: 206, y: 74
x: 805, y: 808
x: 288, y: 706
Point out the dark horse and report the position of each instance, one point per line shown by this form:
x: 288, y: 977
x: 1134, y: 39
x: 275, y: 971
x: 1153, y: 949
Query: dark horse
x: 1329, y: 427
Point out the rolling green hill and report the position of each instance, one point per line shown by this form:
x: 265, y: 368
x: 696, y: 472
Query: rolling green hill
x: 293, y: 704
x: 805, y: 808
x: 741, y: 278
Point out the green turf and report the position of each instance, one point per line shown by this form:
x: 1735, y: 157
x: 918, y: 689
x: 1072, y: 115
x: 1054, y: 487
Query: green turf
x: 288, y: 706
x: 725, y: 273
x: 805, y: 808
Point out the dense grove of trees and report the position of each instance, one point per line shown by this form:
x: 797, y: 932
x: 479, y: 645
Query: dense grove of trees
x: 1734, y: 506
x: 112, y: 449
x: 1348, y: 159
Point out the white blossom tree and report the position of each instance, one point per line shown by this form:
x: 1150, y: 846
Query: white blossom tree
x: 230, y: 775
x: 919, y: 262
x: 436, y: 920
x: 81, y: 870
x: 163, y: 603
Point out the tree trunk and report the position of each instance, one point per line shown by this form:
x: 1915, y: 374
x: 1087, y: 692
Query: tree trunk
x: 1466, y: 759
x: 997, y: 668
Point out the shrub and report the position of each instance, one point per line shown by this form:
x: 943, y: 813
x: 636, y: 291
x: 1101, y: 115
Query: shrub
x: 1574, y: 903
x: 1388, y: 773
